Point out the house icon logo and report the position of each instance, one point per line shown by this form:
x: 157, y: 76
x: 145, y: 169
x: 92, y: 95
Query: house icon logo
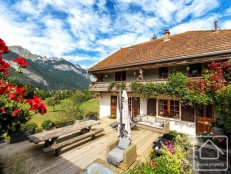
x: 207, y: 155
x: 214, y: 146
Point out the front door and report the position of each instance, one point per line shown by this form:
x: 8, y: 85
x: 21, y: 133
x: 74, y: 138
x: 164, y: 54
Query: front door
x: 204, y: 116
x: 113, y: 105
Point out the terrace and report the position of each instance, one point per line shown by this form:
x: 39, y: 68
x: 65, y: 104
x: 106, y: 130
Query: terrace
x: 26, y: 157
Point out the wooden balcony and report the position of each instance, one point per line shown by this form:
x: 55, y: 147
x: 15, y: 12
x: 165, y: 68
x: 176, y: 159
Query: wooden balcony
x: 103, y: 86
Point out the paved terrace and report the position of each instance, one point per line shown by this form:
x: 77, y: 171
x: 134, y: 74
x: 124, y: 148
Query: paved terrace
x: 26, y: 157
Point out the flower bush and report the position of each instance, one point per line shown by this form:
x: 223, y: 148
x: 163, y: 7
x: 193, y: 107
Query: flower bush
x: 173, y: 159
x: 15, y: 109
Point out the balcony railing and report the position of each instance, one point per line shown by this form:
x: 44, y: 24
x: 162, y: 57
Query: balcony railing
x: 103, y: 86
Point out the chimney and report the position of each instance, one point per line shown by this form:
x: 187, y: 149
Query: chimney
x: 166, y: 35
x: 215, y: 25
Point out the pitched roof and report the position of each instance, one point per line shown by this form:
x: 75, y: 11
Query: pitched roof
x: 184, y: 44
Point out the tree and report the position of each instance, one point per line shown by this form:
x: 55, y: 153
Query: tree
x: 53, y: 101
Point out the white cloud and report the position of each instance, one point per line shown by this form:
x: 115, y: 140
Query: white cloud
x: 228, y: 11
x: 79, y: 29
x: 226, y: 25
x: 196, y: 24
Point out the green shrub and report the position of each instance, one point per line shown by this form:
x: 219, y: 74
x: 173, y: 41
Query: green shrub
x: 174, y: 163
x: 63, y: 123
x: 144, y: 168
x: 31, y: 125
x: 92, y: 114
x: 47, y: 124
x: 182, y: 140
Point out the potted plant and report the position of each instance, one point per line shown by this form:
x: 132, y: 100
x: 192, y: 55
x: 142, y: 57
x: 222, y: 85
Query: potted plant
x: 217, y: 127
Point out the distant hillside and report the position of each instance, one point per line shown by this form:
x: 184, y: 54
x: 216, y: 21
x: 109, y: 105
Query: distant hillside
x: 48, y: 73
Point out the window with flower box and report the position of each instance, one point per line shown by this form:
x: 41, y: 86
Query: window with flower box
x: 169, y: 108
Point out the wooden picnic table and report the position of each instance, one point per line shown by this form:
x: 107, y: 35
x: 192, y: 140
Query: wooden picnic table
x: 51, y: 136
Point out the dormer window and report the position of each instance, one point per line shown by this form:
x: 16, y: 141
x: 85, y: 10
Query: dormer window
x: 194, y: 70
x: 120, y: 76
x: 163, y: 72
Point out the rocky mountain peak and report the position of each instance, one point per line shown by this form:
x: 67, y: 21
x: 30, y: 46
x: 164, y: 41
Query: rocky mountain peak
x: 53, y: 72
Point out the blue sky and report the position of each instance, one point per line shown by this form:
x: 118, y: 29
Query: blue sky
x: 87, y: 31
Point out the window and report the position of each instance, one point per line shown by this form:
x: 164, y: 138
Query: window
x: 194, y: 70
x: 163, y: 72
x: 120, y: 76
x: 205, y: 111
x: 169, y: 108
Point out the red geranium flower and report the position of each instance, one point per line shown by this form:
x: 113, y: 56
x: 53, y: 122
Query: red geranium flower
x: 15, y: 112
x: 36, y: 104
x: 3, y: 48
x: 2, y: 110
x: 21, y: 62
x: 4, y: 66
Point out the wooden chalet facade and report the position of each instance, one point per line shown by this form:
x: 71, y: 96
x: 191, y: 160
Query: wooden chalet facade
x: 152, y: 61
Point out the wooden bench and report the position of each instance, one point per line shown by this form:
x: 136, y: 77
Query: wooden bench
x: 56, y: 147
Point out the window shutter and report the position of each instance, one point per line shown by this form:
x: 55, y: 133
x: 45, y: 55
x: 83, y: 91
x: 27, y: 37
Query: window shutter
x: 187, y: 114
x: 151, y: 106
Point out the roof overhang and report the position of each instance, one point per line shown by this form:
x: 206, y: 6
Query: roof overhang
x: 225, y: 54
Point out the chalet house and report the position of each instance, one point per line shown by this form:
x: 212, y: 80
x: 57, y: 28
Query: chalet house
x: 152, y: 61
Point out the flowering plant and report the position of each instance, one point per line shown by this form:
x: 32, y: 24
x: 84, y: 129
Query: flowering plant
x: 170, y: 146
x: 15, y: 109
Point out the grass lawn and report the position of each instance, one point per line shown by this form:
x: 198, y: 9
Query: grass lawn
x: 90, y: 105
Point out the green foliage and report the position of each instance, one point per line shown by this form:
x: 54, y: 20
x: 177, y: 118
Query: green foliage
x: 117, y: 85
x: 92, y: 114
x: 47, y: 124
x: 175, y: 87
x: 148, y: 90
x: 169, y: 163
x: 72, y: 110
x: 53, y: 101
x: 174, y: 163
x: 31, y: 125
x: 42, y: 93
x: 144, y: 168
x: 223, y: 106
x: 182, y: 140
x: 63, y: 122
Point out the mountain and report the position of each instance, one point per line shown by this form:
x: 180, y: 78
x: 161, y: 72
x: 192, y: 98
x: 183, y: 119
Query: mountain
x: 48, y: 73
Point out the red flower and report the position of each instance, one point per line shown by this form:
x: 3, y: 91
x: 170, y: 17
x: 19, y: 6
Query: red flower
x: 12, y: 96
x: 21, y: 62
x: 36, y: 104
x: 20, y: 91
x: 3, y: 48
x: 2, y: 110
x: 4, y: 88
x: 4, y: 66
x: 153, y: 164
x: 15, y: 112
